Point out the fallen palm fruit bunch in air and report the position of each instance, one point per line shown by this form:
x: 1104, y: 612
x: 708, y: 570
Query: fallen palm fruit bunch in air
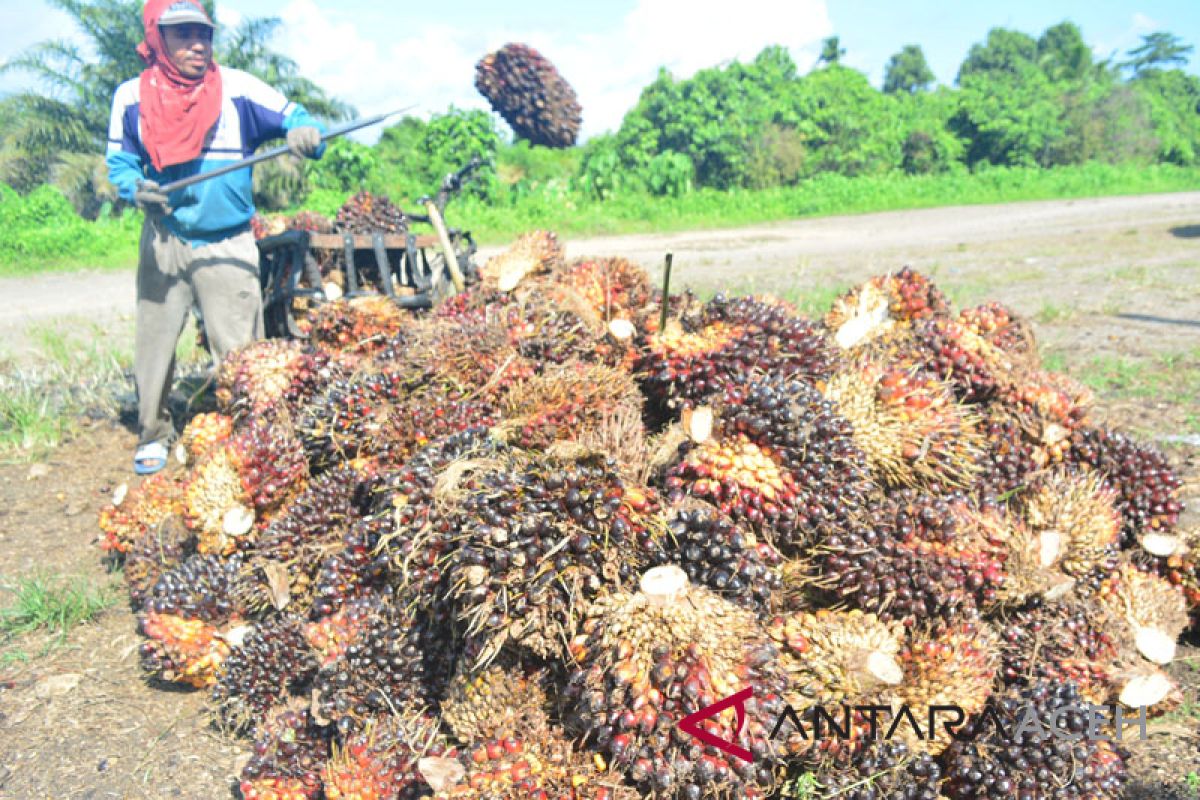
x: 534, y: 99
x: 508, y: 548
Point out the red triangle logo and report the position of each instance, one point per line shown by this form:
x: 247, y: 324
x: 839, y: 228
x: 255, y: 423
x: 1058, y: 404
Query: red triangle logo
x: 691, y: 724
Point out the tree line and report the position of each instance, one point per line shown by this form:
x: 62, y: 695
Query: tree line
x: 1017, y: 100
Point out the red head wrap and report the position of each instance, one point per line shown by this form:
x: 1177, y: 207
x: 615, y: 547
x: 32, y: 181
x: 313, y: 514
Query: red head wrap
x: 177, y: 112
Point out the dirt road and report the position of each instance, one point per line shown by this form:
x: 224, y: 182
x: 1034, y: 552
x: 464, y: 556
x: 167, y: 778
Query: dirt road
x: 1035, y: 250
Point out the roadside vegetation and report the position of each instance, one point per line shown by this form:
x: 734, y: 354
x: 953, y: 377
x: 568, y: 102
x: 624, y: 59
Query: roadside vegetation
x: 50, y: 605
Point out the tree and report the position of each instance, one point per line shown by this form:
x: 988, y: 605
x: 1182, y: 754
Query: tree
x: 1005, y: 51
x: 1062, y: 53
x: 1158, y: 50
x: 831, y: 52
x: 907, y: 71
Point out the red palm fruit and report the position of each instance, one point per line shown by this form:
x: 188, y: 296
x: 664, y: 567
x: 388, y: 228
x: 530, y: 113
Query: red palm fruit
x: 779, y: 461
x: 290, y: 752
x: 203, y: 434
x: 370, y: 213
x: 1050, y: 407
x: 160, y: 550
x: 881, y: 303
x: 616, y: 289
x: 381, y: 761
x: 242, y: 484
x: 1004, y: 328
x: 950, y: 664
x: 358, y: 324
x: 973, y: 367
x: 567, y: 404
x: 1146, y: 486
x: 182, y: 650
x: 269, y: 374
x: 908, y: 425
x: 137, y: 511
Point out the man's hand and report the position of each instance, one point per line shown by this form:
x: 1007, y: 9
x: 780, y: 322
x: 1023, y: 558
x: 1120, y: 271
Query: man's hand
x: 150, y: 199
x: 304, y: 141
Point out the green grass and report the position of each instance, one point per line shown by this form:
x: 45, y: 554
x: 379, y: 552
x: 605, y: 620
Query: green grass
x: 51, y: 604
x: 1170, y: 377
x: 1052, y: 312
x: 72, y: 244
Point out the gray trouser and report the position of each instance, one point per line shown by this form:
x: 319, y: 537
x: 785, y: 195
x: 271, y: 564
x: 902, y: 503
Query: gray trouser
x: 222, y: 278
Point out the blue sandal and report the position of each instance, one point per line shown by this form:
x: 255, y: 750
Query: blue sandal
x: 150, y: 458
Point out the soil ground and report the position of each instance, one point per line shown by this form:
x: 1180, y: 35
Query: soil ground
x: 1112, y: 286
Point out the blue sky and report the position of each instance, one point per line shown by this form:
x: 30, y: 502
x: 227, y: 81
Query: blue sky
x: 384, y: 55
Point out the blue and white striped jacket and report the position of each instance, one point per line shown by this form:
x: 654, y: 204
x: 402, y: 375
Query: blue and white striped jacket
x: 251, y: 113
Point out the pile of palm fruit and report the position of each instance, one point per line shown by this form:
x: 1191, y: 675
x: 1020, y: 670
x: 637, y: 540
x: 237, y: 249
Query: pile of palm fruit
x: 535, y: 100
x: 502, y: 550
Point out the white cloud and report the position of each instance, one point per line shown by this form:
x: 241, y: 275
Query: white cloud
x: 433, y: 65
x: 20, y: 30
x: 1143, y: 23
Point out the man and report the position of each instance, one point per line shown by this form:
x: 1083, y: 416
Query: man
x: 182, y: 116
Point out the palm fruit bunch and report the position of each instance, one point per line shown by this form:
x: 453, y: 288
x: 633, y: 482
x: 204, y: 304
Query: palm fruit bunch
x: 1049, y: 407
x: 1011, y: 453
x: 833, y: 657
x: 1147, y: 488
x: 947, y: 665
x: 534, y: 764
x: 1153, y: 611
x: 136, y: 513
x: 779, y: 460
x: 290, y: 753
x: 201, y: 435
x: 346, y: 419
x: 532, y: 255
x: 882, y: 303
x: 190, y: 619
x: 537, y: 538
x: 265, y: 374
x: 272, y: 662
x: 280, y: 572
x: 721, y: 556
x: 432, y: 544
x: 645, y: 660
x: 242, y: 483
x: 534, y: 99
x: 1176, y: 557
x: 918, y: 576
x: 413, y: 538
x: 567, y: 403
x: 159, y: 550
x: 615, y: 288
x: 1034, y: 764
x: 1075, y: 520
x: 973, y: 367
x: 493, y: 702
x: 1003, y: 328
x: 367, y: 213
x: 357, y: 324
x: 698, y: 355
x: 399, y: 660
x: 908, y: 424
x: 310, y: 221
x: 491, y: 366
x: 885, y: 769
x: 1079, y: 641
x: 381, y: 762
